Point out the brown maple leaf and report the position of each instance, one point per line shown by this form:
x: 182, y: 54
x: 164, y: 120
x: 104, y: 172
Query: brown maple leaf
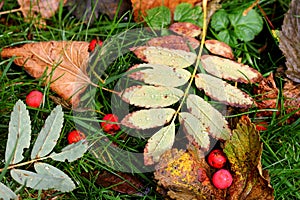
x: 62, y: 63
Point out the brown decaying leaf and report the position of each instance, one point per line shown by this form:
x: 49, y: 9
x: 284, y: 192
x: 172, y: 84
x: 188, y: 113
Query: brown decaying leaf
x: 140, y: 7
x: 219, y: 48
x: 120, y: 182
x: 62, y: 63
x: 266, y: 95
x: 290, y: 41
x: 174, y: 42
x: 183, y: 175
x: 244, y: 151
x: 291, y: 93
x: 185, y: 29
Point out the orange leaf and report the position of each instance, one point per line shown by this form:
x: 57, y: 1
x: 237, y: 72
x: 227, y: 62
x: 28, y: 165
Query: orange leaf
x: 63, y: 63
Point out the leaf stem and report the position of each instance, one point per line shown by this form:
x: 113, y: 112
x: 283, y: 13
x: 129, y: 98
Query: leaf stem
x: 10, y: 11
x: 24, y: 163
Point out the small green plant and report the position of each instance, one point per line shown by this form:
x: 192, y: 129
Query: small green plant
x: 19, y: 136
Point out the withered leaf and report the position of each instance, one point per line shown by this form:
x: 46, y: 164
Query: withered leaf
x: 290, y: 41
x: 183, y: 175
x: 185, y: 29
x: 63, y: 64
x: 219, y: 48
x: 291, y: 93
x: 244, y: 151
x: 174, y: 42
x: 140, y: 7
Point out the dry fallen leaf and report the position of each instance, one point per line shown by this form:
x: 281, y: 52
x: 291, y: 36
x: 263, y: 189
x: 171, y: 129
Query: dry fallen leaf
x: 140, y: 7
x: 291, y: 92
x: 63, y: 64
x: 219, y: 48
x: 185, y: 29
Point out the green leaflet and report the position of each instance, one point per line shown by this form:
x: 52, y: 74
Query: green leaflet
x: 49, y: 134
x: 160, y: 142
x: 221, y: 91
x: 230, y: 70
x: 211, y: 118
x: 163, y: 75
x: 6, y: 193
x: 151, y: 96
x: 47, y: 177
x: 197, y: 133
x: 19, y: 133
x: 71, y: 152
x: 144, y: 119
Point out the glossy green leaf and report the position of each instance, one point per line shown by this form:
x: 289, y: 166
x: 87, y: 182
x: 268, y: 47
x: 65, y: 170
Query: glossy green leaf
x: 221, y: 91
x: 164, y: 56
x: 19, y: 133
x: 163, y: 75
x: 196, y: 132
x: 212, y: 119
x: 158, y: 17
x: 160, y: 142
x: 144, y: 119
x: 151, y: 96
x: 49, y: 134
x: 220, y: 20
x: 230, y: 70
x: 6, y: 193
x: 185, y: 12
x: 246, y: 27
x: 71, y: 152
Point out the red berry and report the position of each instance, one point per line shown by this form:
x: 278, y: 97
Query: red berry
x: 75, y: 136
x: 110, y: 125
x: 93, y: 44
x: 217, y: 158
x: 34, y: 98
x: 222, y: 179
x: 261, y: 126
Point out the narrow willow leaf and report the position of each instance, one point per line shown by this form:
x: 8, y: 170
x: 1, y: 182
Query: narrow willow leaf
x: 160, y: 142
x: 163, y: 75
x: 144, y: 119
x: 196, y: 132
x: 19, y: 133
x: 230, y: 70
x: 71, y: 152
x: 6, y: 193
x: 49, y: 134
x: 65, y: 185
x: 151, y: 96
x: 164, y: 56
x: 212, y: 119
x: 221, y: 91
x: 34, y: 180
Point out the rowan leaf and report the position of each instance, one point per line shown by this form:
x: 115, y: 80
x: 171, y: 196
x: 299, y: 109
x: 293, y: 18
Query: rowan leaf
x: 145, y: 119
x: 71, y: 152
x: 49, y: 134
x: 219, y: 48
x: 244, y: 151
x: 197, y: 134
x: 62, y: 63
x: 151, y: 96
x: 221, y: 91
x: 19, y: 133
x: 185, y: 29
x: 230, y: 70
x: 160, y: 142
x: 212, y: 119
x: 163, y: 75
x: 172, y: 57
x: 6, y: 193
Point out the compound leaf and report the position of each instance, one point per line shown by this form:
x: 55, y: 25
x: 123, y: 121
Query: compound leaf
x: 212, y: 119
x: 151, y: 96
x: 172, y: 57
x: 163, y: 75
x: 6, y: 193
x: 160, y: 142
x: 230, y: 70
x: 49, y: 134
x: 71, y: 152
x: 196, y: 132
x: 19, y: 133
x: 144, y: 119
x: 221, y: 91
